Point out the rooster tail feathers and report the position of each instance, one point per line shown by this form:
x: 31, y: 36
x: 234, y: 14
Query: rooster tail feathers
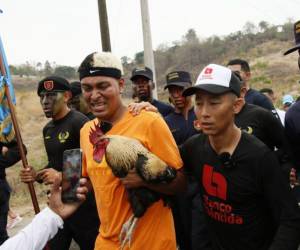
x: 140, y: 199
x: 163, y: 173
x: 170, y: 174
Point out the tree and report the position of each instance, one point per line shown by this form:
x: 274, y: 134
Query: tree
x: 263, y: 26
x: 139, y: 58
x: 39, y: 66
x: 65, y: 72
x: 125, y: 60
x: 48, y: 70
x: 249, y: 28
x: 191, y: 37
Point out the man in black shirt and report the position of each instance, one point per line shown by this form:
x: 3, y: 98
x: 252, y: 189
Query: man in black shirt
x: 142, y: 79
x: 181, y: 120
x: 265, y: 126
x: 60, y: 134
x: 252, y: 96
x: 292, y: 117
x: 8, y: 159
x: 247, y: 202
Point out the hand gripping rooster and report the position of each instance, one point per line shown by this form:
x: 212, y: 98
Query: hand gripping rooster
x: 132, y: 156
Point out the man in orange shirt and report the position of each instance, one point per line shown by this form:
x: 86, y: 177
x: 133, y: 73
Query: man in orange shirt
x: 102, y: 85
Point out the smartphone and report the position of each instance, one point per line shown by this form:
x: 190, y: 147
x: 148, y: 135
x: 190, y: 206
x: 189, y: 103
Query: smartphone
x: 71, y: 173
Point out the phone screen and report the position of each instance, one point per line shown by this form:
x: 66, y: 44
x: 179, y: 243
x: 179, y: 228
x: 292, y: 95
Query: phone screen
x: 72, y: 160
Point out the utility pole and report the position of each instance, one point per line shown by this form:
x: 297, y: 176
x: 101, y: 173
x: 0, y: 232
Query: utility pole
x: 148, y: 51
x: 104, y: 29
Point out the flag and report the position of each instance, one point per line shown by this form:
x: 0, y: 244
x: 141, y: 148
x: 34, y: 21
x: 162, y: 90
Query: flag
x: 6, y: 127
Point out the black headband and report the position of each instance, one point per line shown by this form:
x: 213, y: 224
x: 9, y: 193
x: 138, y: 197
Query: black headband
x: 100, y: 71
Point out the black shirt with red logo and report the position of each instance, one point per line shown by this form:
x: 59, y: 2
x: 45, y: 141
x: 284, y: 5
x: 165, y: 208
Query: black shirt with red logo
x: 246, y: 199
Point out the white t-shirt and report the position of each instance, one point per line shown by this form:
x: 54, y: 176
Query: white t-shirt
x: 281, y: 114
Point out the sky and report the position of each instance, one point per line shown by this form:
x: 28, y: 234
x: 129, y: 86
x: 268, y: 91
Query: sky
x: 65, y: 31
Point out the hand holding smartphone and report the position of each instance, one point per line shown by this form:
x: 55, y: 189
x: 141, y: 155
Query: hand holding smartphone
x: 72, y: 162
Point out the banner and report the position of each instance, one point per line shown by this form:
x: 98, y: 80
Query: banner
x: 6, y: 127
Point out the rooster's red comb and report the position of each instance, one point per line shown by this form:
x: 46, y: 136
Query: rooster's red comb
x: 95, y: 134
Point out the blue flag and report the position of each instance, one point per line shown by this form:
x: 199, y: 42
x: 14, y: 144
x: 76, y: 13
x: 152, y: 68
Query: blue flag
x: 6, y: 127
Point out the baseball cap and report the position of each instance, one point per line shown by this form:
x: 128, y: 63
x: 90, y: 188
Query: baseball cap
x: 144, y: 71
x: 297, y: 38
x: 178, y: 78
x: 215, y: 79
x: 287, y: 100
x: 52, y: 84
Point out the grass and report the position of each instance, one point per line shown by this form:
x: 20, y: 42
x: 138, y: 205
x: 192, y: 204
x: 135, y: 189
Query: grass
x: 31, y: 121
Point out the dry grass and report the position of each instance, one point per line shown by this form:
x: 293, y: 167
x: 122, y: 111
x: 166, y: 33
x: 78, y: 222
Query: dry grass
x: 31, y: 121
x: 270, y: 69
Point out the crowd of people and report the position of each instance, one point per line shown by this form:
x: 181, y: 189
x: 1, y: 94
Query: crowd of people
x: 233, y: 157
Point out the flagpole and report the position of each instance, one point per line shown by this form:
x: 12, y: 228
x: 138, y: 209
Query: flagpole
x: 19, y: 138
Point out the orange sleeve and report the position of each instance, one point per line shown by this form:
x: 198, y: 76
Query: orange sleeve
x: 84, y: 170
x: 160, y: 141
x: 84, y: 166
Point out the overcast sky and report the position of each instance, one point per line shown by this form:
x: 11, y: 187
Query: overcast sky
x: 65, y: 31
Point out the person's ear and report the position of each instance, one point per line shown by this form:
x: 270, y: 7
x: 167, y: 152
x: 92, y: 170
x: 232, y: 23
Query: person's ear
x: 238, y: 105
x: 67, y: 96
x: 248, y: 75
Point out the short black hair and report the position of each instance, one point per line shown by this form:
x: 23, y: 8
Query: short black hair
x: 244, y: 64
x: 267, y: 90
x: 75, y: 88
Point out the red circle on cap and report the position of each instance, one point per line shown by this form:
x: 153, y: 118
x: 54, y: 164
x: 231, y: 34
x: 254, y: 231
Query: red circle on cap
x: 48, y: 85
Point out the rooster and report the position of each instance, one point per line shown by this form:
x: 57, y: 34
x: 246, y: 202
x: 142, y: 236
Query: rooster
x: 132, y: 156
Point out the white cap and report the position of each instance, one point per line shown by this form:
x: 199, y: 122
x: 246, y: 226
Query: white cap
x: 216, y: 79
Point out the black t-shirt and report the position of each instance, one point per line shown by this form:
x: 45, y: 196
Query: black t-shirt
x: 181, y: 128
x: 262, y: 124
x: 163, y: 108
x: 265, y: 126
x: 61, y: 135
x: 248, y: 205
